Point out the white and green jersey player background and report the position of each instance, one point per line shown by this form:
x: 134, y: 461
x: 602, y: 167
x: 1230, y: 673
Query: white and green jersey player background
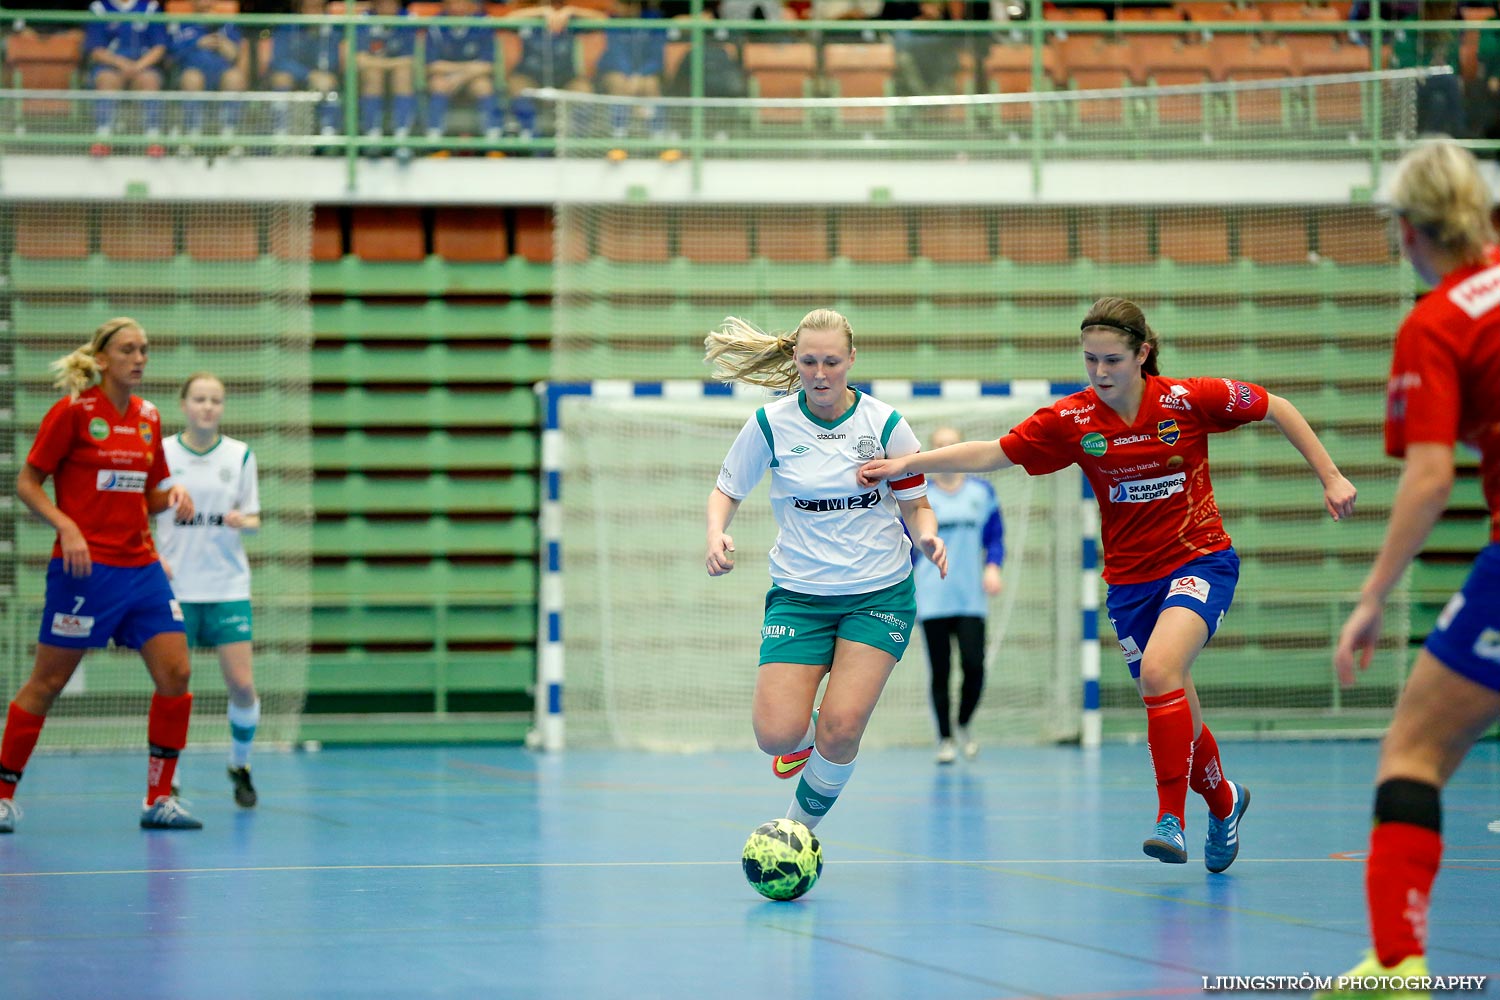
x: 207, y: 557
x: 834, y: 536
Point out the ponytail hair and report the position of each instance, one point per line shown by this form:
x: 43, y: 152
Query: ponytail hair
x: 79, y: 370
x: 739, y: 351
x: 1126, y: 318
x: 1437, y: 188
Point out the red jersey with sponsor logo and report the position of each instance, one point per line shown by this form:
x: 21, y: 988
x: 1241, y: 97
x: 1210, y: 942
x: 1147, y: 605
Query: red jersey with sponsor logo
x: 1444, y: 373
x: 1156, y: 503
x: 102, y: 462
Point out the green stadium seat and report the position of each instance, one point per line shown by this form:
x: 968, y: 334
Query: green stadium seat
x: 437, y: 451
x: 436, y: 363
x: 359, y: 672
x: 434, y: 319
x: 374, y: 626
x: 436, y: 493
x: 371, y: 537
x: 492, y: 406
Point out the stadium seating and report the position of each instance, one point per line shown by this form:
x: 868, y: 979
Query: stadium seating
x: 781, y: 70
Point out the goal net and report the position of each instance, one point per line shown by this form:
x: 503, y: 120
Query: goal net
x: 660, y: 656
x: 219, y: 285
x: 966, y: 237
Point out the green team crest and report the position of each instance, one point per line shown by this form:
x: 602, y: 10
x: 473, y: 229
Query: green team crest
x: 98, y: 428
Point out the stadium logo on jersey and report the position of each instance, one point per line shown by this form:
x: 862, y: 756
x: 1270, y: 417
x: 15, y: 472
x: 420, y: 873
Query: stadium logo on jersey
x: 831, y: 437
x: 145, y: 430
x: 112, y: 481
x: 864, y: 500
x: 1147, y: 490
x: 1094, y: 444
x: 1194, y: 586
x: 1168, y: 431
x: 1131, y: 439
x: 1479, y: 294
x: 72, y: 626
x: 866, y: 447
x: 98, y: 428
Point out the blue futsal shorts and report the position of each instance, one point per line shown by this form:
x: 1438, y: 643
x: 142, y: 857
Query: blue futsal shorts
x: 1205, y: 586
x: 1466, y: 638
x: 127, y: 604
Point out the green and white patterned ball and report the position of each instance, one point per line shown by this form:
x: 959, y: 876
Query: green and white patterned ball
x: 782, y: 859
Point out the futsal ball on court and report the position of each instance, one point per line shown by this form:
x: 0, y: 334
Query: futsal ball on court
x: 782, y: 859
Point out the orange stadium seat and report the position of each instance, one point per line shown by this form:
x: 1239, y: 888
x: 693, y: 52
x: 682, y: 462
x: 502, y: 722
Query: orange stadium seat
x: 1167, y: 61
x: 1093, y: 62
x: 388, y: 234
x: 328, y: 234
x: 469, y: 234
x: 52, y: 232
x: 211, y: 234
x: 225, y: 7
x: 138, y: 232
x: 424, y: 8
x: 954, y: 235
x: 1193, y: 236
x: 874, y: 236
x: 1217, y: 12
x: 780, y: 70
x: 44, y: 62
x: 534, y: 234
x: 1277, y: 238
x: 1354, y: 236
x: 1034, y: 236
x: 862, y: 70
x: 1336, y: 104
x: 1115, y: 236
x: 1052, y: 13
x: 718, y: 237
x: 1148, y: 14
x: 1007, y: 70
x: 633, y: 235
x: 792, y: 235
x: 1240, y: 57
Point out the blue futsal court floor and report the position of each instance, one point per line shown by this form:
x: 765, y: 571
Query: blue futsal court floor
x: 493, y: 872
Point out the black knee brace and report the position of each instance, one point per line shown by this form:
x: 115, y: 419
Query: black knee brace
x: 1402, y: 800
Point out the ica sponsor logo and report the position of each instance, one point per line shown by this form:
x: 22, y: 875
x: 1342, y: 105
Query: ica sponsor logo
x: 1093, y: 444
x: 1168, y: 431
x: 1147, y: 490
x: 1194, y: 586
x: 72, y: 626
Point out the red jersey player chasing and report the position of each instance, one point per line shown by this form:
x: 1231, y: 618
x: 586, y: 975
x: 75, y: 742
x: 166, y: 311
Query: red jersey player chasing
x: 1142, y: 441
x: 1444, y: 370
x: 102, y: 446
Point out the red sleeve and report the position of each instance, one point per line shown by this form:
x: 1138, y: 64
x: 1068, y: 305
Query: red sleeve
x: 54, y: 439
x: 1035, y: 444
x: 1423, y: 395
x: 159, y: 468
x: 910, y: 481
x: 1227, y: 403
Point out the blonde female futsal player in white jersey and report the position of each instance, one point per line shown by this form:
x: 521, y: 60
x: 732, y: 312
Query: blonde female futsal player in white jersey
x: 842, y: 602
x: 206, y: 556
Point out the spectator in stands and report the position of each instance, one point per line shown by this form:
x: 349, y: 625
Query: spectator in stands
x: 306, y: 57
x: 101, y: 446
x: 842, y: 602
x: 461, y: 60
x: 205, y: 555
x: 1171, y: 567
x: 124, y: 55
x: 926, y: 61
x: 632, y: 66
x: 384, y: 55
x: 209, y: 57
x: 1440, y: 394
x: 1440, y: 99
x: 547, y: 58
x: 954, y: 608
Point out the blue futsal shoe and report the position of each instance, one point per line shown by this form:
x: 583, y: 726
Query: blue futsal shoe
x: 1223, y: 843
x: 1167, y: 843
x: 167, y: 813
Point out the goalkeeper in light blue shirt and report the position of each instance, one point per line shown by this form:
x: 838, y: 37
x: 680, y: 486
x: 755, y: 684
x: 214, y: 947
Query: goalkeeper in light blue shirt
x: 955, y: 608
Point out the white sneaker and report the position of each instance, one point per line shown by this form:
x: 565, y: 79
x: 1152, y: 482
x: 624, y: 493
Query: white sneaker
x: 9, y: 813
x: 967, y: 741
x: 947, y: 752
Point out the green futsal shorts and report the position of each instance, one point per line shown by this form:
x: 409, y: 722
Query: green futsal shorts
x: 217, y: 623
x: 802, y: 628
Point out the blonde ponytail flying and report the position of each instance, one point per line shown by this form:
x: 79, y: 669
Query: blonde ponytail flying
x: 739, y: 351
x: 79, y: 370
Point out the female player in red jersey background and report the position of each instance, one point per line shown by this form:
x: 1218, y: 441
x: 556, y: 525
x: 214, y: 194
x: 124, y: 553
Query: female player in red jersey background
x: 1444, y: 370
x: 102, y: 446
x: 1142, y: 441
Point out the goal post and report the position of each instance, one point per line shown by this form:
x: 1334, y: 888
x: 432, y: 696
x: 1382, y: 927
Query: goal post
x: 640, y: 648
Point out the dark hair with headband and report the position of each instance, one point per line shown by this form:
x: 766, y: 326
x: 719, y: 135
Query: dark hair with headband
x: 1125, y: 318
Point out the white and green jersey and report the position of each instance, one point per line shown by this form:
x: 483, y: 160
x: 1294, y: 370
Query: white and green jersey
x: 207, y: 559
x: 835, y: 536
